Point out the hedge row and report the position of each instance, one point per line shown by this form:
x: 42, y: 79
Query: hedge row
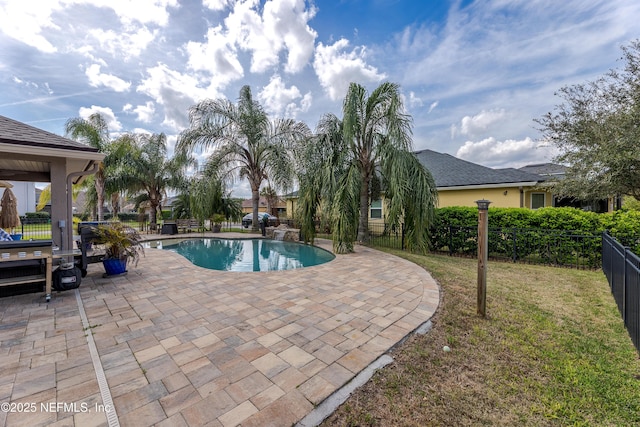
x: 576, y: 221
x: 554, y: 235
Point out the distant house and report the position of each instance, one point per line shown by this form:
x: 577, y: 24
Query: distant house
x: 552, y: 172
x: 279, y: 210
x: 25, y: 193
x: 461, y: 183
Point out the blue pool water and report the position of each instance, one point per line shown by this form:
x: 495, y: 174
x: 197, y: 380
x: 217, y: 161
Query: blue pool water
x: 248, y: 254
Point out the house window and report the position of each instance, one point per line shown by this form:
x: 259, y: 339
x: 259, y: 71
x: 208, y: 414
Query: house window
x: 537, y: 200
x: 376, y: 209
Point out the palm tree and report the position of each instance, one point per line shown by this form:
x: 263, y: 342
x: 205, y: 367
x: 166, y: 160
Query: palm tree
x: 210, y: 198
x: 245, y: 140
x: 370, y: 145
x: 270, y: 194
x: 94, y: 132
x: 144, y: 170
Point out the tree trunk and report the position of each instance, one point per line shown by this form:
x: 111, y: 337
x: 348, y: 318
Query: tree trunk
x: 153, y: 211
x: 99, y: 182
x: 255, y: 201
x: 363, y: 223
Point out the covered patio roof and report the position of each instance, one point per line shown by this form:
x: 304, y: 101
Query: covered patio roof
x: 27, y: 152
x: 34, y: 155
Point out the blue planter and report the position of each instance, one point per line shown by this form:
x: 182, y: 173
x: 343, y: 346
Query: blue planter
x: 16, y: 236
x: 114, y: 266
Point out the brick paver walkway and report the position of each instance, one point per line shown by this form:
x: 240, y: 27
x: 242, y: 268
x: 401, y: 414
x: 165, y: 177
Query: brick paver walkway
x: 185, y: 346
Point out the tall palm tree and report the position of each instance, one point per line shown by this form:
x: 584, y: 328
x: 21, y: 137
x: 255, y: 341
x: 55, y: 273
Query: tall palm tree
x: 94, y: 132
x: 145, y: 171
x: 371, y: 144
x: 245, y: 141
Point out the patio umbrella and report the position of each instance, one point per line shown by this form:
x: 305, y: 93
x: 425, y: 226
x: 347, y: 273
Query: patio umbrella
x: 9, y: 218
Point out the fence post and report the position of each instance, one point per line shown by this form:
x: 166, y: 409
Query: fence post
x: 402, y: 236
x: 624, y: 285
x: 483, y: 247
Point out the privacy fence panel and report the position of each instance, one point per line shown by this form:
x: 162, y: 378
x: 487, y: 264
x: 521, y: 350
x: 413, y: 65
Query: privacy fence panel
x: 622, y: 269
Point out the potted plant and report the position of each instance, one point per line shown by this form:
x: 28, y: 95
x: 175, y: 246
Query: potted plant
x: 217, y: 220
x: 122, y: 245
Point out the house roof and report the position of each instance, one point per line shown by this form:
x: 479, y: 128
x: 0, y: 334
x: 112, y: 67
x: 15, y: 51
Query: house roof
x: 546, y: 169
x: 248, y: 203
x: 26, y: 152
x: 18, y: 133
x: 449, y: 171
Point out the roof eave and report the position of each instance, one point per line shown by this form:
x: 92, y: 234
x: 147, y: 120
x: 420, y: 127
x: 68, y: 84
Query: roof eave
x: 39, y: 150
x: 482, y: 186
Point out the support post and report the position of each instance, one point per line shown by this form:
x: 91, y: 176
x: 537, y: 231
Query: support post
x: 483, y: 249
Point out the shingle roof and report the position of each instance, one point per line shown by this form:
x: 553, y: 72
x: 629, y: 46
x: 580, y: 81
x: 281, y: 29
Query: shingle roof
x: 449, y: 171
x: 17, y: 133
x: 546, y: 169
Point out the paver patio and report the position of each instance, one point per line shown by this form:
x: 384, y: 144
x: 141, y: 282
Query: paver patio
x: 181, y: 345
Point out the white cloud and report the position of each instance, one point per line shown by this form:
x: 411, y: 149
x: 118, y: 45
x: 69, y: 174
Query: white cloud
x: 217, y: 56
x: 22, y: 21
x: 97, y: 79
x: 336, y: 68
x: 282, y: 26
x: 280, y: 100
x: 432, y: 106
x: 217, y: 5
x: 473, y: 125
x: 509, y: 153
x: 145, y: 112
x: 126, y: 44
x: 25, y: 22
x: 112, y: 122
x: 176, y: 92
x: 143, y: 11
x: 414, y: 101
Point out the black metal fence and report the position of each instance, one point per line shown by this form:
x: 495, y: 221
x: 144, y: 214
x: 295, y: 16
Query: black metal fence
x: 40, y: 228
x: 34, y: 229
x: 533, y: 246
x: 622, y: 268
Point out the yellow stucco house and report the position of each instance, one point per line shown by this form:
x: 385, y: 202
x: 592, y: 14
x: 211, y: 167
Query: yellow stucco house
x: 461, y: 183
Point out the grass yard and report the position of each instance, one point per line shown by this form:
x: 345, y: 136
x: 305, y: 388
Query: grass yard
x: 552, y: 351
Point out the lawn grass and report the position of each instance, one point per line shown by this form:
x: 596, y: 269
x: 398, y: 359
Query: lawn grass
x: 552, y: 351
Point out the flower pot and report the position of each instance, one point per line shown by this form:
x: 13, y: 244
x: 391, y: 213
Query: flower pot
x: 16, y: 236
x: 114, y: 266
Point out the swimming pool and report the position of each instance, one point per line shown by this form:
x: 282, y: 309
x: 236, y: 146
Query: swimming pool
x: 248, y: 254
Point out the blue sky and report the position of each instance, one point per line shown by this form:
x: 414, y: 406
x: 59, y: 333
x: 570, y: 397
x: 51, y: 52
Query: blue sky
x: 474, y: 74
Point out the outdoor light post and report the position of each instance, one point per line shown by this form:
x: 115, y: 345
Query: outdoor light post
x: 483, y: 248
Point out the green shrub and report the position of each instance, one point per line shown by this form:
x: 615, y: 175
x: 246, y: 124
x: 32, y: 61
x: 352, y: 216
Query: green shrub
x: 624, y: 225
x: 569, y: 219
x: 39, y: 215
x: 548, y: 235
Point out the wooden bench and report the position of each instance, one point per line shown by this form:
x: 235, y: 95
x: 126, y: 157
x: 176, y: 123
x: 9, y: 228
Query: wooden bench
x: 187, y: 225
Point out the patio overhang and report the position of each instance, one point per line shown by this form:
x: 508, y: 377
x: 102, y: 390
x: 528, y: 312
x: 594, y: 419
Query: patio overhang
x: 34, y: 155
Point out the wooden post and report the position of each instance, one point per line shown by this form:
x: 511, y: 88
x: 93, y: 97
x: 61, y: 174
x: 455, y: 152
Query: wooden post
x: 483, y: 249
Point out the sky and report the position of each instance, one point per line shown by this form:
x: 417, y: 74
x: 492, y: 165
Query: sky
x: 473, y: 74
